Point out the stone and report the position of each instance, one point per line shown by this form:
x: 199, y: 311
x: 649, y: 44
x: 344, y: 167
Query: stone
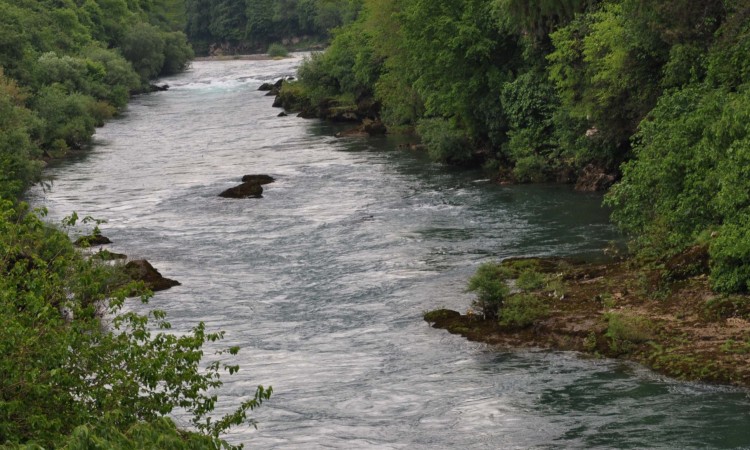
x: 244, y: 190
x: 106, y: 255
x: 258, y: 179
x: 593, y: 179
x: 142, y: 270
x: 91, y: 241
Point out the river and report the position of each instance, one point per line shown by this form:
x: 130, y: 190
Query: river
x: 323, y: 281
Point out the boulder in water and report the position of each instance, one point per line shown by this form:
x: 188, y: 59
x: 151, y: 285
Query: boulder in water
x: 258, y: 179
x: 142, y: 270
x: 244, y: 190
x: 593, y: 178
x: 106, y: 255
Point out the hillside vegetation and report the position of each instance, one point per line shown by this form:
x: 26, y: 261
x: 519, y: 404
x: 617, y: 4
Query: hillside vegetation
x: 68, y: 379
x: 248, y: 26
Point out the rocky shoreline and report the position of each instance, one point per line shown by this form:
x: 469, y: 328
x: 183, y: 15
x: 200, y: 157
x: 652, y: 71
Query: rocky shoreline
x: 668, y: 321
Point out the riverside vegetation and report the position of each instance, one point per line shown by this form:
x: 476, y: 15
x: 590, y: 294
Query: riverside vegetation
x: 651, y: 94
x: 645, y: 99
x: 78, y: 368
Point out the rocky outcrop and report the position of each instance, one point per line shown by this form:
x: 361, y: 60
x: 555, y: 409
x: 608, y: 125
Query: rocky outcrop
x: 156, y: 88
x: 593, y: 178
x: 274, y: 88
x: 106, y: 255
x: 250, y: 187
x: 91, y: 241
x: 142, y: 270
x: 368, y: 127
x: 244, y: 190
x: 258, y: 179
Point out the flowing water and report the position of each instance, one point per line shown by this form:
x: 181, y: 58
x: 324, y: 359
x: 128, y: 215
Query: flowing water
x: 323, y: 281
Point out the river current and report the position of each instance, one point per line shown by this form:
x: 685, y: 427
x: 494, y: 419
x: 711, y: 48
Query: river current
x: 324, y: 280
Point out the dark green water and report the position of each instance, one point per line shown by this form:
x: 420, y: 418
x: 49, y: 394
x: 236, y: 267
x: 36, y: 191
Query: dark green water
x: 324, y: 280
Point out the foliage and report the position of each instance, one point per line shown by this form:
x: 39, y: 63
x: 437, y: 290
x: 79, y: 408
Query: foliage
x: 625, y: 330
x: 65, y: 376
x: 17, y: 151
x: 530, y: 280
x: 65, y: 69
x: 277, y: 51
x: 177, y: 53
x: 490, y: 284
x: 143, y: 46
x: 444, y: 141
x: 522, y: 310
x: 254, y: 24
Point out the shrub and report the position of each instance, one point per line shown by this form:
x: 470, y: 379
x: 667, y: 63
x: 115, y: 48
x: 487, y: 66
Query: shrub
x: 489, y: 283
x: 445, y: 143
x: 624, y: 330
x: 177, y: 53
x: 522, y: 310
x: 277, y: 51
x: 143, y: 46
x: 61, y: 369
x: 530, y: 280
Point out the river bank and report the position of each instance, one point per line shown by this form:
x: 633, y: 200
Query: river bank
x: 672, y: 324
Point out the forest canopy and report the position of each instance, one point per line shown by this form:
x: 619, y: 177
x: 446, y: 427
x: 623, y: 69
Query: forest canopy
x: 251, y: 25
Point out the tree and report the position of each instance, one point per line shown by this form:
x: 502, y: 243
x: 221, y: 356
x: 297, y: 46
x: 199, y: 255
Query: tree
x: 489, y: 283
x: 66, y: 376
x: 143, y: 46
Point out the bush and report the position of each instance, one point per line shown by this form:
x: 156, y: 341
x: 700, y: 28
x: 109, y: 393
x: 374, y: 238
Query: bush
x: 143, y: 46
x: 489, y: 283
x: 530, y: 280
x: 277, y: 51
x: 522, y: 310
x: 445, y: 143
x: 625, y: 330
x: 730, y: 258
x: 177, y: 53
x: 61, y: 369
x: 67, y: 117
x: 17, y: 169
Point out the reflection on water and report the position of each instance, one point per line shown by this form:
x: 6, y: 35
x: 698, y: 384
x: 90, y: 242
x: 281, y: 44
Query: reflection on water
x: 323, y: 281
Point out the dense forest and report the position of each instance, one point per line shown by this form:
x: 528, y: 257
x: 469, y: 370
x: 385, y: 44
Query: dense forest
x: 232, y: 26
x: 651, y: 94
x: 65, y: 381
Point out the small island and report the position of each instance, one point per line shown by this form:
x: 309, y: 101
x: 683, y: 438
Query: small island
x: 665, y: 318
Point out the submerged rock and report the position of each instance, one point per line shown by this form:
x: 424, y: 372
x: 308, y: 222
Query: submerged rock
x: 91, y: 241
x: 244, y: 190
x: 142, y: 270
